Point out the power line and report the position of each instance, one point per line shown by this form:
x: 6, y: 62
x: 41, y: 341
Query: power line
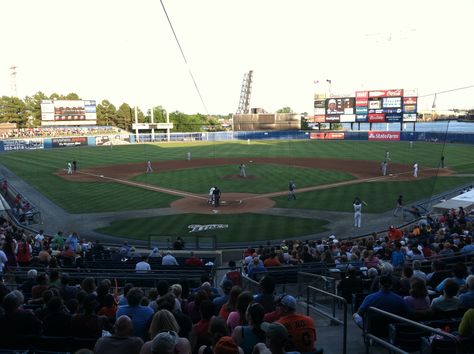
x: 184, y: 57
x: 452, y: 90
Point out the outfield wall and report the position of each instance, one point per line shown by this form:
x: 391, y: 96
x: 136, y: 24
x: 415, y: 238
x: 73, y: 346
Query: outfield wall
x: 125, y: 139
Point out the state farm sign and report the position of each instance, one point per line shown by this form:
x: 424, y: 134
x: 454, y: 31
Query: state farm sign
x: 384, y: 135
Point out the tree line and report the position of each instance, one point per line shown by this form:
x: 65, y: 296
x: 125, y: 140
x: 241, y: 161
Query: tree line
x: 26, y: 113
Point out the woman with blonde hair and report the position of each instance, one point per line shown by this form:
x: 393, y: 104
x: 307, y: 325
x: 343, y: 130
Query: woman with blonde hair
x: 164, y: 321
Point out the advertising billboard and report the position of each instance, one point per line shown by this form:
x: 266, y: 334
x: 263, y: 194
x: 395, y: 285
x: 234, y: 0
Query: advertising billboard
x: 69, y: 142
x: 327, y: 136
x: 68, y: 112
x: 376, y: 135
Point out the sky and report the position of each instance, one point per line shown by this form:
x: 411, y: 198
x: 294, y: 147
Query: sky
x: 125, y: 51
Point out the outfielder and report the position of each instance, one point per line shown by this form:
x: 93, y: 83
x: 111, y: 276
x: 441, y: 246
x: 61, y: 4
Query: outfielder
x: 149, y: 169
x: 69, y: 168
x: 189, y: 156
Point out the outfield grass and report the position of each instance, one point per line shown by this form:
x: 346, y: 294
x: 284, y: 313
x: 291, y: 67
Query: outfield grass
x: 262, y: 178
x: 38, y: 167
x: 241, y: 228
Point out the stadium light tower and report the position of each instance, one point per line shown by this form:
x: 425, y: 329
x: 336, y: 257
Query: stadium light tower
x: 13, y: 90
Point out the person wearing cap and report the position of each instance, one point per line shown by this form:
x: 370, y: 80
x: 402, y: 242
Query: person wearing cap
x: 332, y: 107
x: 276, y: 338
x: 121, y: 342
x: 301, y: 329
x: 384, y: 299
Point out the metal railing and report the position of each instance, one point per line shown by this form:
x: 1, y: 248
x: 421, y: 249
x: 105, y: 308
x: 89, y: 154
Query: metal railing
x: 390, y: 346
x: 332, y: 316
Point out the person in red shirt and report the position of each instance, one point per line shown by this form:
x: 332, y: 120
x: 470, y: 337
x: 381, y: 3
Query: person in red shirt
x: 193, y: 261
x: 272, y: 261
x: 301, y: 328
x: 394, y: 234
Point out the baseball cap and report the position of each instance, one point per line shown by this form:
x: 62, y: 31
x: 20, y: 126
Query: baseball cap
x: 332, y: 100
x: 164, y: 343
x: 288, y: 301
x: 276, y: 332
x: 226, y: 345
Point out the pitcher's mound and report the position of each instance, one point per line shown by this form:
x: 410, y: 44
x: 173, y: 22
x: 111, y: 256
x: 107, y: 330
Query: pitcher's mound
x: 230, y: 203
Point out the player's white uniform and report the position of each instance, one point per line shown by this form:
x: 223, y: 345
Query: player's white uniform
x: 357, y: 214
x: 415, y: 170
x: 69, y: 168
x: 149, y: 169
x: 384, y: 168
x: 211, y: 196
x: 189, y: 156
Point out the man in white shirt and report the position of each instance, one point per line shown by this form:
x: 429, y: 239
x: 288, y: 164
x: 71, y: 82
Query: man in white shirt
x: 143, y: 266
x: 415, y: 169
x: 169, y: 259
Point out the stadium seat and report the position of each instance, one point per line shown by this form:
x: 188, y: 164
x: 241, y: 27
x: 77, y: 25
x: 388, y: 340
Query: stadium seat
x: 406, y: 336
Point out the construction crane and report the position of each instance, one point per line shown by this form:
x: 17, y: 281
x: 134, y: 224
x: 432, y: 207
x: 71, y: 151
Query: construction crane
x: 244, y: 102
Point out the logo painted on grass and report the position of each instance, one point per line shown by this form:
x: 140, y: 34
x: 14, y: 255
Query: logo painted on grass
x: 197, y: 228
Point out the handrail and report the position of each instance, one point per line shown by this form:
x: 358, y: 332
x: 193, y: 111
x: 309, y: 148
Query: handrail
x: 333, y: 318
x: 389, y: 345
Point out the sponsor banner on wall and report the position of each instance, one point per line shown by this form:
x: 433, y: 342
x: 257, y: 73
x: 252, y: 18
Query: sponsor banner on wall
x: 409, y: 108
x: 391, y: 102
x: 347, y: 118
x: 24, y: 144
x: 69, y: 142
x: 410, y: 100
x: 376, y: 111
x: 362, y: 118
x: 319, y: 96
x: 393, y: 117
x: 392, y: 110
x: 362, y: 94
x: 332, y: 119
x: 326, y: 136
x: 377, y: 117
x: 376, y: 135
x: 411, y: 93
x: 319, y: 111
x: 317, y: 118
x: 361, y: 98
x: 386, y: 93
x: 409, y: 117
x: 362, y: 110
x: 320, y: 104
x: 375, y: 103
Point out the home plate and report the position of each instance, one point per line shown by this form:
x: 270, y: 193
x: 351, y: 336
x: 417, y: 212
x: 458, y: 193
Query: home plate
x: 250, y: 161
x: 102, y: 176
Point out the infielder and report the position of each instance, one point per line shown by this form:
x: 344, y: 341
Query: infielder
x: 415, y: 169
x: 69, y: 168
x: 242, y: 170
x: 384, y: 167
x: 149, y: 169
x: 357, y: 212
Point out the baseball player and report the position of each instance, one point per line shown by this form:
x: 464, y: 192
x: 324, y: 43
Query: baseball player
x: 387, y: 155
x: 217, y: 196
x: 149, y: 169
x: 384, y: 167
x: 242, y: 170
x: 189, y: 156
x: 415, y: 169
x: 74, y: 166
x: 69, y: 168
x: 291, y: 190
x: 399, y: 206
x: 210, y: 199
x: 357, y: 212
